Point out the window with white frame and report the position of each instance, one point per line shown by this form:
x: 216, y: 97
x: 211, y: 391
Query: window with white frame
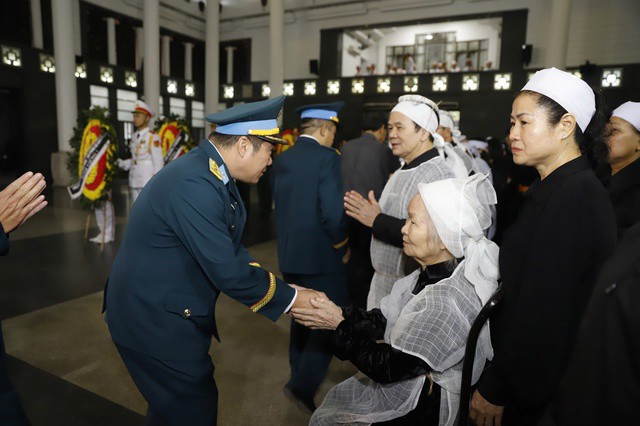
x: 99, y: 96
x: 178, y: 107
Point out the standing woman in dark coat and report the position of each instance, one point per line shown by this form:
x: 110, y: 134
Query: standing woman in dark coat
x: 623, y: 139
x: 551, y: 255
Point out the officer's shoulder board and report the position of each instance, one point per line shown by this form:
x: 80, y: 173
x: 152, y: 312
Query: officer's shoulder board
x: 218, y: 171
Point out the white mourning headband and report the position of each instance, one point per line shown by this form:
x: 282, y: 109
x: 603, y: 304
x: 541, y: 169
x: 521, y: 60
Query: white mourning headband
x: 446, y: 120
x: 570, y: 92
x: 419, y: 109
x: 629, y: 111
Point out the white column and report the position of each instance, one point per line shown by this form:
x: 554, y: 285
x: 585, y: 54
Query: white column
x: 77, y: 30
x: 139, y: 47
x: 111, y: 41
x: 188, y: 62
x: 558, y: 35
x: 66, y: 93
x: 151, y: 75
x: 166, y: 55
x: 230, y: 50
x: 36, y: 24
x: 276, y: 47
x: 212, y: 59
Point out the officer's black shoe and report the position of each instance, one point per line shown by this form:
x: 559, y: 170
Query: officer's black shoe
x: 305, y: 403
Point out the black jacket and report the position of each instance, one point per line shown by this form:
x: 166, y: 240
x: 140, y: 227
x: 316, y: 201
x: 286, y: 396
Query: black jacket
x: 602, y: 383
x: 549, y: 261
x: 624, y: 192
x: 356, y: 340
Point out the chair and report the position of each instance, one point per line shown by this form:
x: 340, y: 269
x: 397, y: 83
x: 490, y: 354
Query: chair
x: 470, y: 352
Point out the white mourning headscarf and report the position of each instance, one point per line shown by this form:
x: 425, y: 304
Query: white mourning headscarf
x: 460, y: 211
x: 446, y: 120
x: 569, y: 91
x: 423, y: 112
x: 630, y: 112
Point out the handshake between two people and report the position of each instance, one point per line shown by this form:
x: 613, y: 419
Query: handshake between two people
x: 314, y: 310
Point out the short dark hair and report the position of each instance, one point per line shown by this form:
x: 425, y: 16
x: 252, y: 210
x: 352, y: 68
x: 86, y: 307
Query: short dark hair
x: 591, y: 142
x: 226, y: 141
x: 373, y: 121
x: 310, y: 125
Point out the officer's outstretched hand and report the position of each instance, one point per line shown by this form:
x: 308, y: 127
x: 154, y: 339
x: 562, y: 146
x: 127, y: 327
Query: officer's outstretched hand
x: 21, y: 200
x: 303, y: 300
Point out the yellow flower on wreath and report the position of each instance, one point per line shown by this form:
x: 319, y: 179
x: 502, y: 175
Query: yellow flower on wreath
x: 94, y: 187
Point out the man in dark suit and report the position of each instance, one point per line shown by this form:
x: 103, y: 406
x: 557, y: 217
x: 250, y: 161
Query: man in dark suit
x: 181, y: 249
x: 312, y: 237
x: 367, y: 163
x: 18, y: 202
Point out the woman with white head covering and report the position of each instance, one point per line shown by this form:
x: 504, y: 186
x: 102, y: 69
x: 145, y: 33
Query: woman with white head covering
x: 446, y: 129
x: 414, y: 376
x: 412, y: 134
x: 551, y: 255
x: 623, y: 139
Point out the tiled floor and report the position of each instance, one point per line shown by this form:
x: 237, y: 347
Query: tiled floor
x: 61, y: 358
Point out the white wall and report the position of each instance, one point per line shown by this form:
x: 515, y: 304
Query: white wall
x: 367, y: 57
x: 605, y: 32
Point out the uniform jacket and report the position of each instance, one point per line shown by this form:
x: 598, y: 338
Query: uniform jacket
x: 310, y: 219
x: 146, y: 157
x: 180, y: 250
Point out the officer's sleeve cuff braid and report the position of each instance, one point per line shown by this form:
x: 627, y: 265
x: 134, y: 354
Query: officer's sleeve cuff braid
x: 341, y: 244
x: 267, y: 298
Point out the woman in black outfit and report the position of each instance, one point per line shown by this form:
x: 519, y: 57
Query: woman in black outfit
x: 623, y: 185
x: 551, y: 255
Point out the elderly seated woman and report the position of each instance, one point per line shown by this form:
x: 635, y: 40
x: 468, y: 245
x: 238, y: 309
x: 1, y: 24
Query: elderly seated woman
x: 414, y: 376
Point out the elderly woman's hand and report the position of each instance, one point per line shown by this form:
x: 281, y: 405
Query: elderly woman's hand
x: 363, y: 210
x: 325, y: 315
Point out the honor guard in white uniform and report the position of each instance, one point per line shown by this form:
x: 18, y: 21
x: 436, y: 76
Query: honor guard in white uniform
x: 146, y: 151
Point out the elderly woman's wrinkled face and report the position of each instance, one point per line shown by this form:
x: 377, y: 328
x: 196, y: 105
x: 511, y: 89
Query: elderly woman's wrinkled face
x: 533, y: 140
x: 623, y: 141
x: 419, y: 236
x: 405, y: 140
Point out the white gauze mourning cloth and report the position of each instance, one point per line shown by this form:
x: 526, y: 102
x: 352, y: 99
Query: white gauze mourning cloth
x: 630, y: 112
x: 423, y: 112
x: 569, y: 91
x: 460, y: 211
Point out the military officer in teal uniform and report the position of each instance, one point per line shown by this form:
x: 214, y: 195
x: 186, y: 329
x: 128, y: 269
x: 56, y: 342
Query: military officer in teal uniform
x: 180, y: 250
x: 312, y: 237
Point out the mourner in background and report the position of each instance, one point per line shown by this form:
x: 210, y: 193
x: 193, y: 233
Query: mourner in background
x: 623, y: 139
x: 551, y: 256
x: 412, y: 133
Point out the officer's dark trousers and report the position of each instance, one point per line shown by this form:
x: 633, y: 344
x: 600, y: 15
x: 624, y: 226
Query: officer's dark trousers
x: 359, y: 269
x: 178, y: 392
x: 310, y: 351
x: 11, y: 411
